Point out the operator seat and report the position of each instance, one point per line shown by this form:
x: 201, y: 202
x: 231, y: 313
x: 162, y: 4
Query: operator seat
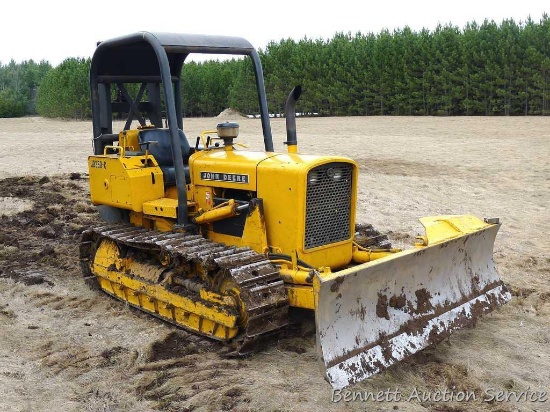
x: 162, y: 151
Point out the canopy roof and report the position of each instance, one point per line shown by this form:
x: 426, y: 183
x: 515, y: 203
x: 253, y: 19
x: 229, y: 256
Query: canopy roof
x: 134, y: 54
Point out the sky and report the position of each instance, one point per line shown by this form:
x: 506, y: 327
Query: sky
x: 54, y: 30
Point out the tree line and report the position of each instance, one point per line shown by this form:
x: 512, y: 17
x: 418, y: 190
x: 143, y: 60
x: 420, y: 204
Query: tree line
x: 481, y: 69
x: 19, y: 83
x: 65, y: 91
x: 487, y: 69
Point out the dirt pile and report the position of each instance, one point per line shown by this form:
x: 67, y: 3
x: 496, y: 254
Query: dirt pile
x: 229, y: 113
x: 47, y: 228
x: 90, y: 340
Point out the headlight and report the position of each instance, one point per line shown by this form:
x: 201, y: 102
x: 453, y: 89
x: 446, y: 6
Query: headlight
x: 313, y: 177
x: 335, y: 173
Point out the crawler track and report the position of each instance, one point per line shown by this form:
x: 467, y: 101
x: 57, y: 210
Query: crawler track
x: 264, y: 303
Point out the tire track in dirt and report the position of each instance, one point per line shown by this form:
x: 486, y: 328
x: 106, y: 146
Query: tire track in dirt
x: 104, y: 353
x: 39, y: 262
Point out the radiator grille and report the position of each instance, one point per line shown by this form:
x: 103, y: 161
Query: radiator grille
x: 328, y: 204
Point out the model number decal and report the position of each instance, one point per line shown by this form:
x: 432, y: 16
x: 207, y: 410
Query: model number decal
x: 224, y: 177
x: 98, y: 164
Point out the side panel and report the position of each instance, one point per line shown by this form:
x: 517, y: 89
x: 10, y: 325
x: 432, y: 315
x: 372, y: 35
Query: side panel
x: 226, y: 169
x: 291, y: 205
x: 282, y: 184
x: 124, y: 182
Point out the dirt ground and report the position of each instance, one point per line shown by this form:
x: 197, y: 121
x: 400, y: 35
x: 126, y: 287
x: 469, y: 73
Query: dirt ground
x: 65, y: 347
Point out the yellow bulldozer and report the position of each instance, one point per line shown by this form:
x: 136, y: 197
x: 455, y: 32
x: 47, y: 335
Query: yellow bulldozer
x: 224, y: 241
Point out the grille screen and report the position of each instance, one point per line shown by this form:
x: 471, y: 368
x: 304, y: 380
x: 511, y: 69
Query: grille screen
x: 328, y: 204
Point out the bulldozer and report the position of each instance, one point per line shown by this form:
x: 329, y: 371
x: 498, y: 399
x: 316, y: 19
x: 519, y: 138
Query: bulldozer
x: 225, y: 242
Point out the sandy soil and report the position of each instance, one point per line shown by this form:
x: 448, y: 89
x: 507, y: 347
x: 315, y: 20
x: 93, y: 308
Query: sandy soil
x: 64, y: 347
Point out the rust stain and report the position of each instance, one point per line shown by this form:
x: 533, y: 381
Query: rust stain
x: 361, y: 312
x: 382, y: 307
x: 416, y: 326
x: 398, y: 302
x: 353, y: 368
x: 387, y: 352
x: 423, y: 301
x: 336, y: 284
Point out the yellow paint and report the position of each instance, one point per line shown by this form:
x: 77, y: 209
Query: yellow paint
x: 282, y: 184
x: 439, y: 229
x: 165, y: 207
x: 222, y: 167
x: 160, y: 223
x: 275, y: 223
x: 300, y: 296
x: 204, y: 196
x: 361, y: 255
x: 442, y: 228
x: 129, y: 140
x: 280, y: 180
x: 220, y: 212
x: 136, y: 219
x: 203, y: 136
x: 213, y: 297
x: 209, y: 313
x: 296, y: 276
x: 124, y: 182
x: 254, y: 233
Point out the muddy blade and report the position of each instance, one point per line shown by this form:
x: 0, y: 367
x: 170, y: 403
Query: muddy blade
x: 376, y: 314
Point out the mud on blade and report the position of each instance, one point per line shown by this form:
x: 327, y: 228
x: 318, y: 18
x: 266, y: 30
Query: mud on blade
x: 376, y: 314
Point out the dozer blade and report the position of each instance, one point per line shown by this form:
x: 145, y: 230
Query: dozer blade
x: 376, y: 314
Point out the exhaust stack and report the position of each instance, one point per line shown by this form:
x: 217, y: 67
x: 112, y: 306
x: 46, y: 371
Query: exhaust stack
x: 290, y: 116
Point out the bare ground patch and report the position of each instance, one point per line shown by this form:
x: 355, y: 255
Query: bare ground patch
x: 64, y: 347
x: 400, y: 167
